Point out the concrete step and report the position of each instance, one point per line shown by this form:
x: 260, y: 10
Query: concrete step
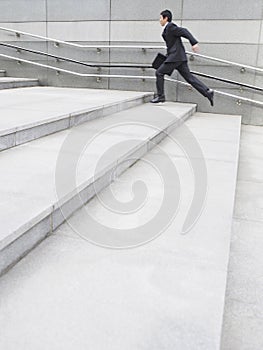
x: 33, y: 184
x: 2, y: 73
x: 28, y: 114
x: 11, y: 83
x: 242, y: 326
x: 168, y: 293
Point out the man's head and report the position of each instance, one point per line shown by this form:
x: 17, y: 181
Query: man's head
x: 165, y: 16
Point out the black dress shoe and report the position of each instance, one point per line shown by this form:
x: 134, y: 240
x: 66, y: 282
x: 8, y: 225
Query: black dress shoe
x: 158, y: 99
x: 210, y: 96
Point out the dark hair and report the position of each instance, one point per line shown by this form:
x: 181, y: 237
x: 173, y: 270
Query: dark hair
x: 168, y: 14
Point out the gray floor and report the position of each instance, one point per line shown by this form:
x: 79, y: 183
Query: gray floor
x: 29, y: 180
x: 31, y: 105
x: 243, y: 319
x: 70, y: 293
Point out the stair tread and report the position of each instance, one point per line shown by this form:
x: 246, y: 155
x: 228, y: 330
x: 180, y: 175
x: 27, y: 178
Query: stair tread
x: 28, y: 179
x: 38, y: 105
x: 178, y: 279
x: 14, y: 83
x: 13, y: 79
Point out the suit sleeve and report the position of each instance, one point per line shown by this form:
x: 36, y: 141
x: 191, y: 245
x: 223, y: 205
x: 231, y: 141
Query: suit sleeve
x: 183, y: 32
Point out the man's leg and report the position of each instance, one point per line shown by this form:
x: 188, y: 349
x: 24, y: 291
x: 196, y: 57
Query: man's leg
x: 184, y: 70
x: 165, y: 68
x: 160, y: 81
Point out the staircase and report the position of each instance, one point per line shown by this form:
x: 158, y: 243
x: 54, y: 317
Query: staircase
x: 11, y: 83
x: 60, y: 150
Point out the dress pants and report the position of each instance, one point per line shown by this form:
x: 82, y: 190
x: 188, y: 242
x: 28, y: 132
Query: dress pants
x: 183, y: 69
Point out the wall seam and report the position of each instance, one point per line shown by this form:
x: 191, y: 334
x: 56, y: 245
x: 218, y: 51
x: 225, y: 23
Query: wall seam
x: 177, y: 76
x: 258, y: 47
x: 259, y: 34
x: 110, y: 15
x: 47, y: 44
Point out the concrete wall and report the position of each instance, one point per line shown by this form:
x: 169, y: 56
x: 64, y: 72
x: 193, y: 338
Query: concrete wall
x: 227, y: 29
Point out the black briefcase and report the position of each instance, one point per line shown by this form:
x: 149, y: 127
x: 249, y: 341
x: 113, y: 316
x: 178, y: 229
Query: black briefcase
x: 158, y: 61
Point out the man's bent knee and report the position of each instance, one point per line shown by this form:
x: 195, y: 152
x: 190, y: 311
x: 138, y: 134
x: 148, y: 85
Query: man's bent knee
x: 159, y: 74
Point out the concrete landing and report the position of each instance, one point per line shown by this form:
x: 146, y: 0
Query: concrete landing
x: 28, y: 114
x: 37, y: 171
x: 243, y: 316
x: 166, y: 294
x: 11, y: 83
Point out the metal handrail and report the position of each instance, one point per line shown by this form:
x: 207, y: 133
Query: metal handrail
x: 57, y: 41
x: 99, y: 76
x: 244, y: 66
x: 238, y: 98
x: 86, y: 75
x: 228, y: 81
x: 97, y: 65
x: 143, y: 47
x: 256, y: 88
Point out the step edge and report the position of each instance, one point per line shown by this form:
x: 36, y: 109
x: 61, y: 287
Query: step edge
x: 18, y: 85
x: 54, y: 210
x: 74, y: 118
x: 17, y: 79
x: 229, y: 243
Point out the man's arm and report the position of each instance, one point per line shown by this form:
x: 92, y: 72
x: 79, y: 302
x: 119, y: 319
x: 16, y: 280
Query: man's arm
x: 183, y: 32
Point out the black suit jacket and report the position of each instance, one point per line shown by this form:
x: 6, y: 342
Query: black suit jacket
x: 175, y: 49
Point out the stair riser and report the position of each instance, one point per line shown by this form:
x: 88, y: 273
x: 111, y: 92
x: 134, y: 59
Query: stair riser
x: 19, y: 248
x: 47, y: 223
x: 18, y: 137
x: 10, y: 85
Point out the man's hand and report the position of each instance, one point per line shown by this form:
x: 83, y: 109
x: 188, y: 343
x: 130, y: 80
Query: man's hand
x: 195, y: 48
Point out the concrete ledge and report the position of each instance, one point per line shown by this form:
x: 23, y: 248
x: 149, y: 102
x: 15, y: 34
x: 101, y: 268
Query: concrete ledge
x: 183, y: 274
x: 27, y: 241
x: 32, y: 131
x: 17, y: 244
x: 12, y: 83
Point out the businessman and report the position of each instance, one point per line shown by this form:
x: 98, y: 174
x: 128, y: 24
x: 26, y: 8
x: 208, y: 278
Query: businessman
x: 176, y: 58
